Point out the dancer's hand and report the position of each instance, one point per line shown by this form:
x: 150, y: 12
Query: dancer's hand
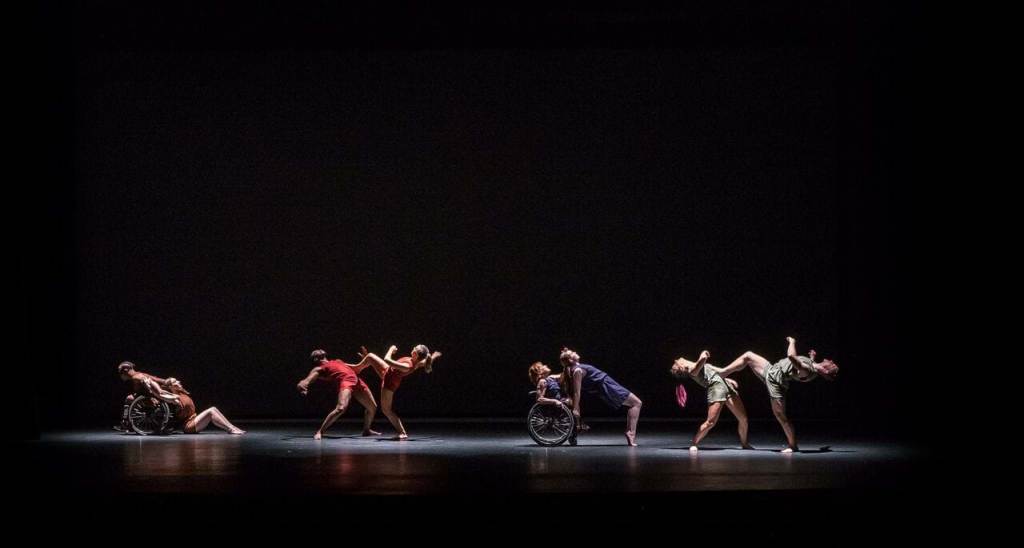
x: 790, y: 340
x: 812, y: 354
x: 435, y: 355
x: 303, y: 387
x: 363, y: 351
x: 732, y: 383
x: 705, y: 354
x: 391, y: 350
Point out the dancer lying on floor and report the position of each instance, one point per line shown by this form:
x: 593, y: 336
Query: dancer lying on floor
x: 191, y: 423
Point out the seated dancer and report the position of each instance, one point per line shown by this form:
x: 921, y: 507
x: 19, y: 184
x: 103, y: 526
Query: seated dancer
x: 392, y: 372
x: 719, y: 390
x: 579, y: 378
x: 776, y: 377
x: 549, y: 388
x: 346, y: 378
x: 186, y: 417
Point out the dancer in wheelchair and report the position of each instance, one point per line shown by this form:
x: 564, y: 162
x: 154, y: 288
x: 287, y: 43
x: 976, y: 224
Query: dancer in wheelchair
x: 720, y: 391
x: 579, y: 378
x: 172, y: 392
x: 345, y: 377
x: 549, y: 389
x: 776, y: 377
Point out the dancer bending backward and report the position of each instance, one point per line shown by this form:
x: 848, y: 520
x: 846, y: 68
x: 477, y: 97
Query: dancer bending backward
x: 720, y: 391
x: 392, y: 372
x: 579, y: 378
x: 192, y: 423
x: 346, y: 377
x: 776, y: 377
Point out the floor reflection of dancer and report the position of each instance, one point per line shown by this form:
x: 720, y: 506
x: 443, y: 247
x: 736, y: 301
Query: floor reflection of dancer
x: 776, y: 377
x: 720, y: 391
x: 579, y: 378
x: 346, y: 378
x: 392, y: 372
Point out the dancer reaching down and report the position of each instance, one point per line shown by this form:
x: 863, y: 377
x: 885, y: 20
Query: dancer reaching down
x: 346, y: 378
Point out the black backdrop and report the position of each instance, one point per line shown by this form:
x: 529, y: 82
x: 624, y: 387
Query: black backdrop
x: 228, y: 188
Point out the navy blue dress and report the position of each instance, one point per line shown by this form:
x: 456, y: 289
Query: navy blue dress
x: 552, y: 389
x: 598, y: 383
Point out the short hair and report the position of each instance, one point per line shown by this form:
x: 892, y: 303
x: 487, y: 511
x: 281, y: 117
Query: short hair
x: 318, y: 355
x: 124, y: 367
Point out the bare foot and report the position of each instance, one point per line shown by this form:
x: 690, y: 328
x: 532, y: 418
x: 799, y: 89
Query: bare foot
x: 236, y: 432
x: 748, y: 446
x: 401, y: 437
x: 788, y: 450
x: 693, y: 448
x: 316, y: 436
x: 370, y: 433
x: 630, y: 439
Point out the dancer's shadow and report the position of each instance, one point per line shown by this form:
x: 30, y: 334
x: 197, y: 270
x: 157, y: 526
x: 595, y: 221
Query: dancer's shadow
x: 396, y: 440
x: 822, y: 449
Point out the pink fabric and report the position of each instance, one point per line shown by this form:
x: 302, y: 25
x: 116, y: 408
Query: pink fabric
x: 681, y: 395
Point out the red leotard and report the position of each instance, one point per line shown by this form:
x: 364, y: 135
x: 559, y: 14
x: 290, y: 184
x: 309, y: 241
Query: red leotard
x: 341, y: 373
x: 393, y: 376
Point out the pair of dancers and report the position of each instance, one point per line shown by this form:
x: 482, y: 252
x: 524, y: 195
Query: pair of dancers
x: 576, y: 379
x: 171, y: 390
x: 721, y: 390
x: 345, y: 378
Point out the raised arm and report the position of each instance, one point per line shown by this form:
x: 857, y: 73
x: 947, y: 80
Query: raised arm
x: 388, y: 359
x: 703, y: 359
x: 795, y: 359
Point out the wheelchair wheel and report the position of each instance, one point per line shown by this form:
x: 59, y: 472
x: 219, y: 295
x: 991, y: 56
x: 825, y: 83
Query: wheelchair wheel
x: 148, y: 416
x: 551, y: 424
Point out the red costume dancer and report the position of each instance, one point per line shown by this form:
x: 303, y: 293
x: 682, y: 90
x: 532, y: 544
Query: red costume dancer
x: 346, y: 378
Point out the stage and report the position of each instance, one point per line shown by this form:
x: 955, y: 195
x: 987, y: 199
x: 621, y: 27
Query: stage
x: 463, y: 458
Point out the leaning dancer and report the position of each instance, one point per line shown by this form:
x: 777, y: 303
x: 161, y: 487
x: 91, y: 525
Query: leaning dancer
x: 392, y: 372
x: 719, y: 390
x: 579, y: 378
x: 776, y: 377
x: 192, y: 423
x: 346, y: 378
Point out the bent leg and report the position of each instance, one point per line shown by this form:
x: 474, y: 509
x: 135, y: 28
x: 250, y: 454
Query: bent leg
x: 365, y: 398
x: 735, y: 405
x: 714, y: 410
x: 344, y: 396
x: 632, y: 417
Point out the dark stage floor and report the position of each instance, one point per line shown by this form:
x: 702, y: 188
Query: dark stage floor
x: 453, y: 458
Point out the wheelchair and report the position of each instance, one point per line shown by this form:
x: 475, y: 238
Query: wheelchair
x: 145, y: 416
x: 550, y: 425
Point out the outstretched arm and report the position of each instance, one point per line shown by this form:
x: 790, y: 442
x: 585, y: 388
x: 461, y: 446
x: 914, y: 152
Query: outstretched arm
x: 303, y: 385
x: 577, y: 386
x: 154, y: 390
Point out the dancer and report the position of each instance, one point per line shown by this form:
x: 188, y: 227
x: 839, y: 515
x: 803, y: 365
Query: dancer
x: 392, y: 372
x: 776, y: 377
x: 145, y: 384
x: 719, y: 390
x: 549, y: 391
x: 189, y: 421
x: 578, y: 378
x: 346, y: 378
